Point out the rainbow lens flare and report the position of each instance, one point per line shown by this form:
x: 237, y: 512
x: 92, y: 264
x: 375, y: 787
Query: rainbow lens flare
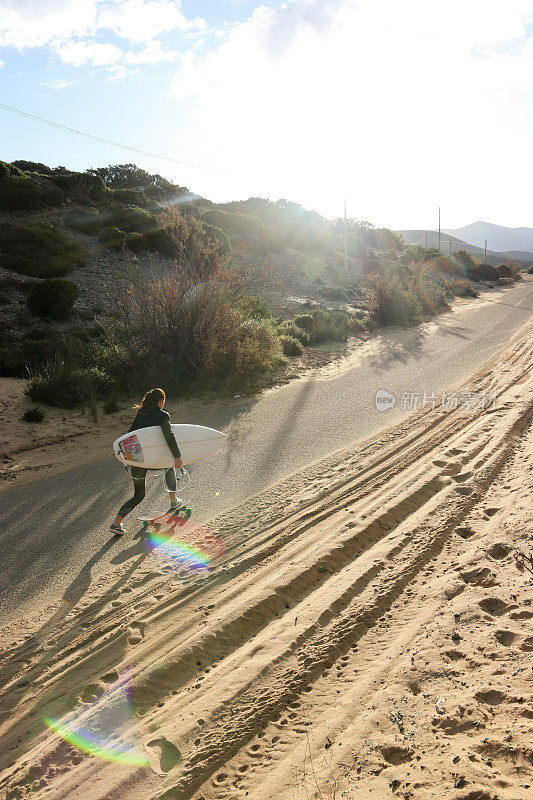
x: 192, y: 547
x: 90, y: 743
x: 176, y: 548
x: 104, y: 728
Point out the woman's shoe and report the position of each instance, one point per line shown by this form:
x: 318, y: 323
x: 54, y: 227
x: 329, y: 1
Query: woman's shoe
x: 118, y: 530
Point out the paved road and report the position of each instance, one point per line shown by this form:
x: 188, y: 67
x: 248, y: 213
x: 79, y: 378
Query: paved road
x: 54, y: 532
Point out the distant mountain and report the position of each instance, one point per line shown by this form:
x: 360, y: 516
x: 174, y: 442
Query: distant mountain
x: 498, y: 237
x: 431, y: 239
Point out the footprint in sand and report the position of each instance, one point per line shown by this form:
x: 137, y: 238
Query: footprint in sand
x: 494, y: 606
x: 527, y: 645
x: 163, y: 755
x: 91, y: 693
x: 136, y: 632
x: 505, y: 637
x: 491, y: 697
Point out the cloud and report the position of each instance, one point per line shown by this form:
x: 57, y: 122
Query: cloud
x: 143, y: 20
x: 37, y: 23
x: 58, y: 84
x: 313, y: 96
x: 78, y: 53
x: 1, y: 64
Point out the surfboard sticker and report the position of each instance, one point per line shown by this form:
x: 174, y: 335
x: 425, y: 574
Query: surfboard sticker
x: 131, y: 447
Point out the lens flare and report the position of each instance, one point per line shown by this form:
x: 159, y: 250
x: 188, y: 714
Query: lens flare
x: 103, y: 728
x: 90, y: 743
x: 186, y: 545
x: 175, y: 548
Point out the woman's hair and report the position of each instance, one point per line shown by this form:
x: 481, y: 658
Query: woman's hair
x: 150, y: 400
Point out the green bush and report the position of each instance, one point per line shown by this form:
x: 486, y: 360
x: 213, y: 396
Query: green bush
x: 483, y: 272
x: 111, y: 406
x: 112, y: 238
x: 332, y: 292
x: 461, y: 288
x: 258, y: 349
x: 60, y: 382
x: 19, y: 193
x: 53, y: 297
x: 530, y: 270
x: 161, y: 241
x: 32, y: 166
x: 289, y: 328
x: 504, y: 271
x: 389, y: 301
x: 290, y: 346
x: 80, y: 183
x: 322, y: 325
x: 250, y: 306
x: 130, y: 219
x: 37, y: 249
x: 87, y: 220
x: 33, y: 415
x: 131, y: 197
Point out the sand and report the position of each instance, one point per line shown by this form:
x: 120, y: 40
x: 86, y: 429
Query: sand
x: 363, y: 631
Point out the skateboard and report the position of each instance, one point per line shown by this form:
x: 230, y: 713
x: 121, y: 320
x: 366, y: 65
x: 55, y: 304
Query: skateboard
x: 164, y: 520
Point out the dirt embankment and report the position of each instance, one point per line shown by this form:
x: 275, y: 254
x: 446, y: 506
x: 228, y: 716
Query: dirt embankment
x: 366, y: 634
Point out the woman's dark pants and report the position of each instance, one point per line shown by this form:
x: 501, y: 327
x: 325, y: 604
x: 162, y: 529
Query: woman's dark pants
x: 139, y: 484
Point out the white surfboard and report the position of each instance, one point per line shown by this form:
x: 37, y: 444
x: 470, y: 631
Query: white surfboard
x: 147, y: 447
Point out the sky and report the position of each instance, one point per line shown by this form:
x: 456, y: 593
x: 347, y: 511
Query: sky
x: 401, y: 105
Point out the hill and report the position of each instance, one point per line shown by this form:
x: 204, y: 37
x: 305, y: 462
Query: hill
x: 431, y: 239
x: 115, y: 279
x: 499, y: 238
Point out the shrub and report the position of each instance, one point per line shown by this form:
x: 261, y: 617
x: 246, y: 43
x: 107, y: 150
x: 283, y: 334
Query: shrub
x: 289, y: 328
x: 33, y: 166
x: 201, y: 250
x: 80, y: 183
x: 161, y: 241
x: 505, y: 281
x: 290, y: 346
x: 130, y: 219
x: 33, y: 415
x: 132, y: 197
x: 333, y: 292
x: 59, y: 382
x: 37, y: 249
x: 389, y: 302
x: 504, y: 271
x: 530, y: 270
x: 483, y: 272
x: 323, y: 325
x: 87, y: 220
x: 53, y: 297
x: 19, y: 192
x: 461, y: 288
x: 112, y: 238
x: 257, y: 351
x: 111, y: 406
x: 251, y: 307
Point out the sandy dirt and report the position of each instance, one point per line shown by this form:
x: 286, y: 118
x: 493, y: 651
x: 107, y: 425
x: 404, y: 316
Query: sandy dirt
x: 363, y: 630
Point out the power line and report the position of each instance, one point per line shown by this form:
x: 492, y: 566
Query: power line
x: 108, y: 141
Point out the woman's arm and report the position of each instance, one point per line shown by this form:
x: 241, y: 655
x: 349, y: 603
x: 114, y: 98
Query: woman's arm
x: 168, y: 433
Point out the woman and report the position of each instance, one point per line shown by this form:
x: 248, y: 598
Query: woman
x: 150, y: 412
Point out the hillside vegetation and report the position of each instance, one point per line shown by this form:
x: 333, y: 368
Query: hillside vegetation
x: 183, y: 284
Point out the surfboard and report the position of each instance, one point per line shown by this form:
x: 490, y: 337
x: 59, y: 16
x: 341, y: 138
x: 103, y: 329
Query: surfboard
x: 147, y: 447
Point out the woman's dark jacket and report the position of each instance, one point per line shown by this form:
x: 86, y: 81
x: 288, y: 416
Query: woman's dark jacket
x: 156, y: 416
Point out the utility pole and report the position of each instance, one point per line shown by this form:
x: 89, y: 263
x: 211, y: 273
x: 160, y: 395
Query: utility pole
x: 426, y: 240
x: 450, y: 247
x: 439, y: 229
x: 485, y: 252
x: 345, y: 237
